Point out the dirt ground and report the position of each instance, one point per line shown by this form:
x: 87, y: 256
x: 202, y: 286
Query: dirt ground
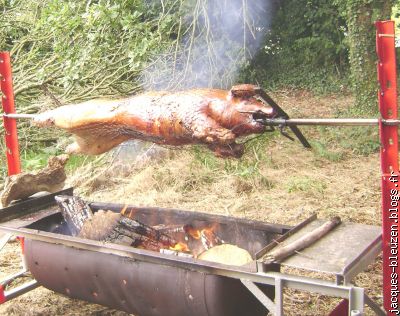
x: 283, y: 184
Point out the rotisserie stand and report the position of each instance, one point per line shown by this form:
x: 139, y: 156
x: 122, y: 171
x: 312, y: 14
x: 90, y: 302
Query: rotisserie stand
x: 148, y: 282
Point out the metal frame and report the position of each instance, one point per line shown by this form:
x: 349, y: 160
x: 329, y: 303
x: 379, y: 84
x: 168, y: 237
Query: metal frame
x: 354, y: 295
x: 387, y: 76
x: 248, y: 275
x: 10, y: 124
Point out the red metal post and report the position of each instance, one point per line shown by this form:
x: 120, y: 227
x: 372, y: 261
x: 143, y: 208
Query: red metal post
x: 385, y: 46
x: 2, y: 296
x: 10, y: 125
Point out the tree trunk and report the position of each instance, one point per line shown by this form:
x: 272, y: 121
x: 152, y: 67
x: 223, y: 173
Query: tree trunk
x: 361, y: 15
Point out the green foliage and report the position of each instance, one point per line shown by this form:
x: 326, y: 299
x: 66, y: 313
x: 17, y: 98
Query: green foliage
x: 81, y: 49
x: 70, y: 50
x: 360, y: 17
x: 306, y: 48
x: 32, y: 160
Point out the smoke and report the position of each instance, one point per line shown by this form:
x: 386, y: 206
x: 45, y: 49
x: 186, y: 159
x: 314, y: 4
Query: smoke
x: 214, y: 40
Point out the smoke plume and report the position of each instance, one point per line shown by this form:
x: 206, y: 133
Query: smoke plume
x: 214, y: 40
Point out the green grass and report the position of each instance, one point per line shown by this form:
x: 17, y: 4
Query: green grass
x: 33, y: 160
x: 246, y: 167
x: 77, y: 161
x: 321, y: 150
x: 336, y: 143
x: 305, y: 184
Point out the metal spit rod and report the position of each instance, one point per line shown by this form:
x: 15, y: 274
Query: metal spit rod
x: 19, y: 115
x: 284, y: 122
x: 330, y: 122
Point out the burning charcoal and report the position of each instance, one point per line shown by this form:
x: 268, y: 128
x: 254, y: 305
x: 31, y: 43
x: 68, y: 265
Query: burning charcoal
x: 149, y: 244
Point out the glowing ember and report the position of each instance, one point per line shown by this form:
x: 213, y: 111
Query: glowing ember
x: 192, y: 232
x: 180, y: 246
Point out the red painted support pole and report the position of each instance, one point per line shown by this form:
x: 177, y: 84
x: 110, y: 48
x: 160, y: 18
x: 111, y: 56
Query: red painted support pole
x: 2, y: 296
x: 385, y: 46
x: 10, y: 124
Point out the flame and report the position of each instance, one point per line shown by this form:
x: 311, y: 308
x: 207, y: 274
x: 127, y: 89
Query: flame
x: 195, y: 233
x: 199, y: 233
x: 206, y: 235
x: 180, y: 246
x: 123, y: 211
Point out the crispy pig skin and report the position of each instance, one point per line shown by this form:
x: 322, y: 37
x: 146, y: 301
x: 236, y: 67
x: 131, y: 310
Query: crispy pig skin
x: 201, y: 116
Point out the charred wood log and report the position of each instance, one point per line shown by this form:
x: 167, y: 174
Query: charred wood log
x: 123, y: 236
x: 147, y: 231
x: 75, y: 212
x: 170, y: 229
x: 109, y: 226
x: 50, y: 179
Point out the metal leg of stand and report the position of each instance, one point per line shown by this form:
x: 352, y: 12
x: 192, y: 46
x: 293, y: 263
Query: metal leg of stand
x: 22, y: 289
x: 374, y: 306
x: 279, y: 296
x: 264, y: 299
x: 4, y: 240
x: 356, y: 302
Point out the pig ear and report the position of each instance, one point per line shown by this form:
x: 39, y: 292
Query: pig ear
x: 244, y: 90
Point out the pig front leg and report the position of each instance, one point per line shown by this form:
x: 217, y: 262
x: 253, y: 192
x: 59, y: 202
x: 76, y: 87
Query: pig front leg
x: 207, y: 130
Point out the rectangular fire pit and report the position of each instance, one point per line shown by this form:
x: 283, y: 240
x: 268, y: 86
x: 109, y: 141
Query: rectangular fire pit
x: 146, y: 282
x: 140, y: 281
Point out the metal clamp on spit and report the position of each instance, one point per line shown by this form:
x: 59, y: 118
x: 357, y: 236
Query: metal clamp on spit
x: 282, y: 120
x: 279, y: 119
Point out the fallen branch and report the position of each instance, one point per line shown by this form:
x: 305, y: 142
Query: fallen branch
x: 303, y: 242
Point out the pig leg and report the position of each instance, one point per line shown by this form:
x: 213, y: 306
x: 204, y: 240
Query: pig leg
x: 205, y: 129
x: 95, y: 144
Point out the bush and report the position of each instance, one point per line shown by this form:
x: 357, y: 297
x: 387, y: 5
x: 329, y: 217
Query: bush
x: 305, y: 48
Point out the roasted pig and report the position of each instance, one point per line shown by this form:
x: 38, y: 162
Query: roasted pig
x: 202, y: 116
